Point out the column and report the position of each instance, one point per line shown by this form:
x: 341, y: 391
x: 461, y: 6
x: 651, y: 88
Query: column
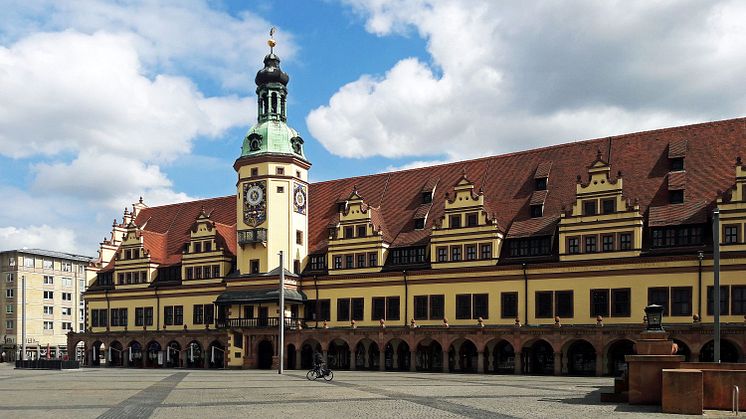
x: 382, y: 360
x: 558, y: 363
x: 353, y: 365
x: 325, y: 353
x: 413, y: 361
x: 445, y: 362
x: 480, y: 362
x: 518, y: 361
x: 395, y: 361
x: 599, y: 364
x: 297, y: 360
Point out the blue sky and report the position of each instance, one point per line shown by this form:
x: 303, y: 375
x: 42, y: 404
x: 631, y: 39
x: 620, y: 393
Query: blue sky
x: 105, y: 101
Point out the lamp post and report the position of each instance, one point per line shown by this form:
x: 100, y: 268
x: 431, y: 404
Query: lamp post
x: 654, y: 313
x: 716, y: 274
x: 282, y: 314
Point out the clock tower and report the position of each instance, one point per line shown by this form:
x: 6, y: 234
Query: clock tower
x: 272, y: 195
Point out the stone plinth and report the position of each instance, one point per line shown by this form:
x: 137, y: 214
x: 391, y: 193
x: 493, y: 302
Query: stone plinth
x: 682, y: 392
x: 646, y: 376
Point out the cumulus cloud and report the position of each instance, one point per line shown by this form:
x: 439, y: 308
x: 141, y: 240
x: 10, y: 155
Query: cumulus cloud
x: 40, y: 236
x: 509, y: 76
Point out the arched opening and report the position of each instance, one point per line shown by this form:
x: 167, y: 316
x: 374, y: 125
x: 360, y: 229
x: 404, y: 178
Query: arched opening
x: 154, y: 355
x: 216, y: 353
x: 374, y: 357
x: 467, y: 357
x: 306, y: 353
x: 429, y: 356
x: 173, y: 355
x: 134, y: 355
x: 97, y: 353
x: 116, y: 352
x: 581, y: 358
x: 403, y: 356
x: 194, y: 355
x: 503, y: 358
x: 538, y: 358
x: 363, y: 358
x: 338, y: 356
x: 79, y: 354
x: 616, y: 364
x: 274, y: 102
x: 683, y: 350
x: 291, y: 356
x: 265, y: 352
x: 728, y: 352
x: 396, y: 355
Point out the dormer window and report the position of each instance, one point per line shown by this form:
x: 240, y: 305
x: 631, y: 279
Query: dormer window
x: 540, y: 184
x: 609, y: 206
x: 427, y: 197
x: 472, y: 220
x: 590, y: 208
x: 677, y: 164
x: 676, y: 197
x: 455, y: 221
x: 419, y: 223
x: 208, y: 246
x: 537, y: 211
x: 341, y: 206
x: 362, y: 230
x: 349, y: 232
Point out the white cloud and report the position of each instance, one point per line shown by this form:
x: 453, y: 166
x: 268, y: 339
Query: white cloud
x: 511, y: 76
x: 40, y: 236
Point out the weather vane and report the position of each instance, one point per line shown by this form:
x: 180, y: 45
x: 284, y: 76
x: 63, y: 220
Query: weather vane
x: 271, y: 41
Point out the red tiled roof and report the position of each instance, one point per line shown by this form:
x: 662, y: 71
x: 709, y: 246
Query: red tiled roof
x: 541, y: 226
x: 677, y: 148
x: 676, y: 181
x: 538, y: 197
x: 678, y: 214
x: 543, y: 170
x: 422, y: 210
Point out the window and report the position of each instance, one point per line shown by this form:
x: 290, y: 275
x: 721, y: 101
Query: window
x: 209, y: 311
x: 48, y: 295
x: 9, y: 293
x: 590, y: 244
x: 427, y: 197
x: 67, y: 282
x: 437, y: 307
x: 544, y: 305
x: 563, y: 303
x: 47, y: 264
x: 408, y: 255
x: 573, y: 245
x: 325, y: 310
x: 12, y: 262
x: 362, y: 230
x: 481, y: 306
x: 485, y: 251
x: 298, y: 237
x: 677, y: 236
x: 9, y: 308
x: 119, y: 317
x: 724, y: 300
x: 8, y: 277
x: 361, y: 260
x: 317, y: 262
x: 189, y: 273
x: 529, y: 246
x: 455, y: 221
x: 48, y: 310
x: 472, y: 219
x: 590, y: 207
x: 625, y: 241
x: 677, y: 164
x: 349, y: 232
x: 378, y: 308
x: 349, y: 259
x: 455, y: 253
x: 730, y: 234
x: 67, y: 267
x: 48, y: 280
x: 168, y: 315
x: 739, y: 299
x: 607, y: 241
x: 537, y: 210
x: 509, y: 305
x: 337, y: 262
x: 216, y: 271
x: 67, y: 296
x: 139, y: 317
x: 420, y: 307
x: 357, y: 308
x: 471, y: 252
x: 178, y: 314
x: 254, y: 266
x: 463, y: 306
x: 392, y: 308
x: 343, y: 309
x: 67, y: 326
x: 681, y: 301
x: 67, y: 311
x: 608, y: 206
x: 372, y: 259
x: 419, y: 223
x: 254, y: 171
x: 9, y: 324
x: 386, y: 308
x: 600, y: 303
x: 676, y: 197
x: 28, y: 262
x: 48, y: 325
x: 540, y: 184
x: 198, y: 314
x: 197, y: 247
x: 99, y: 318
x: 442, y: 254
x: 208, y: 246
x: 280, y: 170
x: 659, y: 295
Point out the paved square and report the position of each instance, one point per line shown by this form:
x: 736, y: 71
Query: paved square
x: 118, y: 393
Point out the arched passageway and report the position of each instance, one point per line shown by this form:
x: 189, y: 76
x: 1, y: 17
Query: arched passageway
x: 728, y: 352
x: 397, y: 355
x: 265, y: 352
x: 216, y: 354
x: 462, y: 356
x: 581, y: 358
x: 338, y: 356
x: 154, y: 355
x: 502, y: 358
x: 115, y: 354
x: 134, y: 354
x: 173, y: 355
x: 291, y: 357
x: 538, y: 358
x: 97, y: 353
x: 429, y: 356
x: 306, y: 353
x: 194, y: 356
x: 683, y: 350
x: 616, y: 364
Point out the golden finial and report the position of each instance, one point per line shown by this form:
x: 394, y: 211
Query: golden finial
x: 271, y: 41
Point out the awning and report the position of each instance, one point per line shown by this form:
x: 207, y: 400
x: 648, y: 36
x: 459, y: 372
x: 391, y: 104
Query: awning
x: 259, y: 296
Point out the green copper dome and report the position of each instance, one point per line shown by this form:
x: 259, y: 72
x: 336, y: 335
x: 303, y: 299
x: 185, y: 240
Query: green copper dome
x: 272, y: 136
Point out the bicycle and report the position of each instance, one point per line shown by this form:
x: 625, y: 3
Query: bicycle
x: 315, y: 373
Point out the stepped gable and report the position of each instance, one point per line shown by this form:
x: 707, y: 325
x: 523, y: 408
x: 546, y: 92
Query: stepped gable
x: 508, y: 180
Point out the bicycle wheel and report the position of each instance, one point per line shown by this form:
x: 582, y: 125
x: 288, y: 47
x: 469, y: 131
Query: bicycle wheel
x: 311, y: 375
x: 329, y: 375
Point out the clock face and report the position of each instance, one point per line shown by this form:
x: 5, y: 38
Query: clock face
x: 254, y: 203
x: 254, y: 195
x: 299, y: 199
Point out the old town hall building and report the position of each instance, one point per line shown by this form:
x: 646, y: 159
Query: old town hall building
x: 536, y: 262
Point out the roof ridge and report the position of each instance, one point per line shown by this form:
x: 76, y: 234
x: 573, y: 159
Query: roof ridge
x: 188, y: 202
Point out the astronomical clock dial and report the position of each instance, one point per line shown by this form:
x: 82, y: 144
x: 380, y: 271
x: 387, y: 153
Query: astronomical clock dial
x: 255, y: 203
x: 299, y: 199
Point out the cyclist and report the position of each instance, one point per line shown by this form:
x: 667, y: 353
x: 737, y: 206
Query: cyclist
x: 318, y: 363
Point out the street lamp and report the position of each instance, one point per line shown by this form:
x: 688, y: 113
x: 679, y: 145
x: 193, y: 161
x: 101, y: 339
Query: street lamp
x: 654, y: 313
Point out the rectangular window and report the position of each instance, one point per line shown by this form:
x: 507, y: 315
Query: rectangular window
x: 607, y: 241
x: 168, y: 315
x: 123, y: 317
x: 198, y: 272
x: 485, y: 251
x: 544, y: 305
x: 361, y: 260
x: 349, y: 262
x: 343, y: 309
x: 378, y: 308
x: 392, y: 308
x: 9, y: 292
x: 216, y: 271
x: 362, y: 230
x: 600, y: 303
x: 481, y: 306
x: 280, y: 189
x: 590, y: 244
x: 677, y: 164
x: 189, y: 273
x: 573, y: 245
x: 455, y: 253
x: 472, y: 219
x: 625, y: 241
x: 178, y: 314
x: 724, y: 300
x: 254, y: 266
x: 540, y: 184
x: 420, y: 307
x: 358, y: 305
x: 198, y: 315
x: 48, y: 310
x: 537, y: 210
x: 681, y: 301
x: 67, y: 296
x: 9, y: 277
x: 209, y: 313
x: 337, y: 262
x: 280, y: 170
x: 298, y: 237
x: 48, y: 280
x: 67, y: 311
x: 427, y: 197
x: 148, y: 316
x: 455, y: 221
x: 590, y: 207
x: 349, y: 232
x: 739, y: 299
x: 9, y: 308
x: 28, y: 262
x: 208, y: 246
x: 471, y: 252
x: 48, y: 325
x: 563, y: 303
x: 139, y: 316
x: 463, y: 306
x: 659, y: 295
x: 372, y: 259
x: 676, y: 197
x: 419, y: 223
x: 248, y: 312
x: 197, y: 247
x: 318, y: 262
x: 509, y: 305
x: 49, y: 295
x: 9, y: 324
x: 730, y: 234
x: 608, y: 206
x: 442, y: 254
x: 437, y: 307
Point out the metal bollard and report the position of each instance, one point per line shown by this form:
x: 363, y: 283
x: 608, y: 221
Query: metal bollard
x: 735, y: 395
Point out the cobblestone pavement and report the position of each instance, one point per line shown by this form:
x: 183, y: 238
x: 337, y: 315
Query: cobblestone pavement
x: 124, y: 393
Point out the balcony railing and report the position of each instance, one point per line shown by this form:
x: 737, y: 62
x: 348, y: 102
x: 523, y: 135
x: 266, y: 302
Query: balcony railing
x: 256, y: 235
x: 257, y: 323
